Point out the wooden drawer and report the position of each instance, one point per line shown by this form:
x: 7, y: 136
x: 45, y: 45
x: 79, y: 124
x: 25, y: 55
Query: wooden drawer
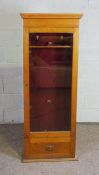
x: 50, y: 150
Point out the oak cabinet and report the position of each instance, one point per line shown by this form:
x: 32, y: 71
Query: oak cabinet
x: 50, y: 85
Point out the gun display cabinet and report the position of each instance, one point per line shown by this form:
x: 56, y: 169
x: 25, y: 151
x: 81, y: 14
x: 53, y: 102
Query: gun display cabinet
x: 50, y: 85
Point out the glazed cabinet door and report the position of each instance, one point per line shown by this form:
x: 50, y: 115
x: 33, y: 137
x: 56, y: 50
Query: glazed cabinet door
x: 50, y: 80
x: 50, y: 88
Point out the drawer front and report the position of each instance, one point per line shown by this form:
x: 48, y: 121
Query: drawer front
x: 50, y: 150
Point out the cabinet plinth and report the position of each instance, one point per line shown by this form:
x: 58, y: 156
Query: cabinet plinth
x: 50, y: 85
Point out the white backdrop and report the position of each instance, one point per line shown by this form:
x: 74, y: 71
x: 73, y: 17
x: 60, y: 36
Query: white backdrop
x: 11, y: 61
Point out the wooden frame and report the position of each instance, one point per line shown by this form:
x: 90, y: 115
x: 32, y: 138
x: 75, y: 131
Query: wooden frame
x: 66, y: 23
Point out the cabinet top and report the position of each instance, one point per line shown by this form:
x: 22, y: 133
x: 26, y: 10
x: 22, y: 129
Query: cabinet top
x: 46, y: 15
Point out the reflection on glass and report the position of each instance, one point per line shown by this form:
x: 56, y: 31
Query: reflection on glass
x: 50, y: 83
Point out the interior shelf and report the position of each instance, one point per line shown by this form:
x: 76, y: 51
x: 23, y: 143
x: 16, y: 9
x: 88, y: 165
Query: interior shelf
x: 67, y: 46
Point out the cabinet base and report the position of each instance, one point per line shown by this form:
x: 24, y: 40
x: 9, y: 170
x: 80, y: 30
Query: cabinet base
x: 50, y: 160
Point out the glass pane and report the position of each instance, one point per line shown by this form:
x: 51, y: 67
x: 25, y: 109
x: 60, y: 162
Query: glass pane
x: 47, y: 39
x: 50, y: 87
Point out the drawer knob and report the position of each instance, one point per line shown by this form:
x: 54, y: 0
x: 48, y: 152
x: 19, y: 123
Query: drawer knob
x: 50, y: 147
